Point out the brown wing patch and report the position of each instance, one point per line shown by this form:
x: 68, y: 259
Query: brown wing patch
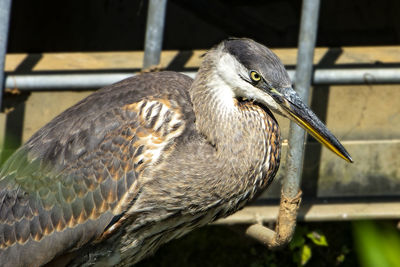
x: 160, y: 122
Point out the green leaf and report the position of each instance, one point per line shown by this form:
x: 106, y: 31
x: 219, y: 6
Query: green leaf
x: 318, y: 238
x: 297, y: 241
x: 340, y: 258
x: 305, y: 254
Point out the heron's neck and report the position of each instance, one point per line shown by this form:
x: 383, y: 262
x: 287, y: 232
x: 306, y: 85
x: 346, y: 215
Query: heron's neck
x: 213, y: 104
x: 246, y: 138
x: 225, y: 123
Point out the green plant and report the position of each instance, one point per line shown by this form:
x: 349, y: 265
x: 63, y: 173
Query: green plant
x: 377, y: 244
x: 303, y: 242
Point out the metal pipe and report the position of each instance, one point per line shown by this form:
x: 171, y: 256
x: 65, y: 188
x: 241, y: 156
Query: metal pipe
x: 63, y: 81
x: 5, y: 10
x: 357, y: 76
x: 30, y: 82
x: 305, y: 55
x: 291, y: 193
x: 154, y: 32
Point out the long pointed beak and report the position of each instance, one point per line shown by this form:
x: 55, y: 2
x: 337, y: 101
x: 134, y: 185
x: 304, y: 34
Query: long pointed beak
x: 296, y: 110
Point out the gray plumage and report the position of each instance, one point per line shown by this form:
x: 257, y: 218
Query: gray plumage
x: 144, y: 161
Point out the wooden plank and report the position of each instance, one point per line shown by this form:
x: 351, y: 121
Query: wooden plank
x: 133, y: 59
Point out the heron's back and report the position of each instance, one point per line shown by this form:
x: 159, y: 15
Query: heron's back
x: 67, y: 183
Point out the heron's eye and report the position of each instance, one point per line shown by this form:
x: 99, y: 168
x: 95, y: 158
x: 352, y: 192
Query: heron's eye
x: 255, y: 77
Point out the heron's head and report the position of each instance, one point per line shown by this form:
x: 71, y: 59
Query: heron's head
x: 254, y: 72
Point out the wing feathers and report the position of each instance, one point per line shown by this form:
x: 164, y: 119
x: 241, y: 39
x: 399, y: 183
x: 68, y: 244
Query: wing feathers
x: 62, y: 188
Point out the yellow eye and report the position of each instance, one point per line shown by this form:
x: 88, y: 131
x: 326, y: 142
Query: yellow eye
x: 255, y: 76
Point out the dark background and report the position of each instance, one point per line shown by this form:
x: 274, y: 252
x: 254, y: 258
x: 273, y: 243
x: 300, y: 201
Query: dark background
x: 119, y: 25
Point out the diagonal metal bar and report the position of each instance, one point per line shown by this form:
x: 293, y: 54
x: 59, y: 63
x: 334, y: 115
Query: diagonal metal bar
x: 5, y: 10
x: 291, y: 193
x: 154, y: 32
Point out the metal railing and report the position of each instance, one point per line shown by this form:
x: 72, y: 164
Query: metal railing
x: 303, y: 78
x: 33, y: 82
x: 291, y: 192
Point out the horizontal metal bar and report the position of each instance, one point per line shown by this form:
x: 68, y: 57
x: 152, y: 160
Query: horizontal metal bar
x: 318, y: 212
x: 357, y: 76
x: 31, y: 82
x: 62, y: 81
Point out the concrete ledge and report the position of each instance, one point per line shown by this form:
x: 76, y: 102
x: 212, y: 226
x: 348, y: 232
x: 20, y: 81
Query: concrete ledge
x: 318, y: 212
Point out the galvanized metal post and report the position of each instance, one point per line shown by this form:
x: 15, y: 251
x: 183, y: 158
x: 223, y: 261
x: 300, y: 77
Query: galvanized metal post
x: 154, y: 32
x: 5, y: 10
x: 291, y: 193
x: 305, y: 55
